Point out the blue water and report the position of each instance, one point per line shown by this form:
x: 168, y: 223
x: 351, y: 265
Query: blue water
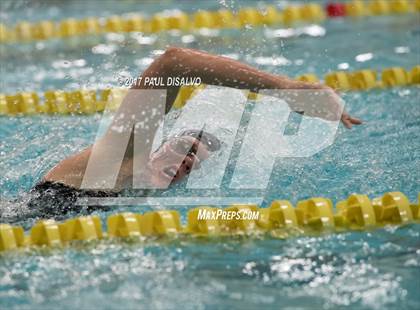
x: 372, y: 270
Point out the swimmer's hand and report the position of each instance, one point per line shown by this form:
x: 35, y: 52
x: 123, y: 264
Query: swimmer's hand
x: 331, y: 108
x: 315, y: 100
x: 348, y: 121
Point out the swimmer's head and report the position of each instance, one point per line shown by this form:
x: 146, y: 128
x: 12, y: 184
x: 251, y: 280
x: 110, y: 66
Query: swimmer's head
x: 179, y: 155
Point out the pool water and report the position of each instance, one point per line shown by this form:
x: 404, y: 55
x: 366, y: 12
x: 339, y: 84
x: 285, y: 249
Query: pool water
x: 358, y: 270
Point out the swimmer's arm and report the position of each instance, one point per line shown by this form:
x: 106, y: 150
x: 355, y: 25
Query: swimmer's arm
x: 70, y: 171
x: 223, y: 71
x: 218, y: 70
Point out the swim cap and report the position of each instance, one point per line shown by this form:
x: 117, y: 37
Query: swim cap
x: 213, y: 144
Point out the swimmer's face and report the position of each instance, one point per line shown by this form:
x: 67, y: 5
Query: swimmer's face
x: 175, y: 159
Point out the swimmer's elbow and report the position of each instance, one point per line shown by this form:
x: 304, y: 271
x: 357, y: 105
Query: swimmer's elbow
x: 171, y: 53
x: 171, y: 58
x: 168, y: 56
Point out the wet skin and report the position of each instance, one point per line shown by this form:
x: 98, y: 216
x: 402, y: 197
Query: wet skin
x: 174, y: 160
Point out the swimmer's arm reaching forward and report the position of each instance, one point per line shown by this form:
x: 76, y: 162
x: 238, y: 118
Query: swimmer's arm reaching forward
x: 223, y: 71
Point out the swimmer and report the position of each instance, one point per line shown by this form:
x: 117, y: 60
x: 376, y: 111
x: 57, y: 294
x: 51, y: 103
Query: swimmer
x: 178, y: 155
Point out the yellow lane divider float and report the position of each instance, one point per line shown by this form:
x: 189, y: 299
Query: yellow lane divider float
x: 290, y: 15
x: 280, y: 219
x: 91, y: 101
